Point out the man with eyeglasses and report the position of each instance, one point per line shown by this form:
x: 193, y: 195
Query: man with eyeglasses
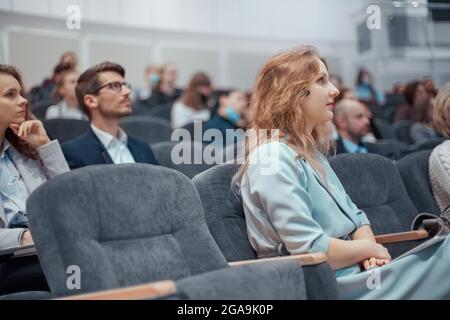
x: 105, y: 97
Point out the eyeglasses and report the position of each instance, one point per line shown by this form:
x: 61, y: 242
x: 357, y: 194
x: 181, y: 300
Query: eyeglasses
x: 115, y: 86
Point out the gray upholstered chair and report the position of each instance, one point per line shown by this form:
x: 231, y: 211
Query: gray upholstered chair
x: 148, y: 129
x: 127, y: 225
x: 414, y: 172
x: 65, y: 129
x: 402, y: 131
x: 389, y: 148
x: 226, y: 221
x: 163, y: 153
x: 375, y: 186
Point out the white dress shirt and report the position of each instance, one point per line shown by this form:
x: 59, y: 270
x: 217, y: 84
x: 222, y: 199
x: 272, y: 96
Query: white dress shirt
x: 117, y: 148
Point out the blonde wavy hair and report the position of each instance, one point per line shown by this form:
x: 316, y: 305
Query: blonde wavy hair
x: 276, y: 103
x: 441, y: 112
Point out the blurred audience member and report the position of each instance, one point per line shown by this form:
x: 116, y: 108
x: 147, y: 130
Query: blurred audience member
x: 46, y: 91
x: 365, y: 89
x: 423, y: 128
x: 346, y: 93
x: 230, y: 114
x: 439, y: 165
x: 414, y: 92
x: 430, y: 88
x: 104, y: 96
x: 151, y: 80
x: 67, y: 108
x: 165, y: 90
x: 69, y: 57
x: 193, y: 104
x: 399, y: 89
x: 352, y: 123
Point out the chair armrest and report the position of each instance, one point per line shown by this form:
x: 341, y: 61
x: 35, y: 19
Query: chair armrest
x: 144, y: 291
x: 402, y: 236
x: 301, y: 259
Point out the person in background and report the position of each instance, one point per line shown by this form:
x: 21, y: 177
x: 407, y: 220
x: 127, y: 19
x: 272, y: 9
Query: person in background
x: 399, y: 89
x: 423, y: 128
x: 105, y: 97
x: 352, y: 122
x: 27, y: 159
x: 414, y: 92
x: 193, y: 104
x: 439, y: 163
x: 151, y: 75
x: 67, y: 108
x: 69, y: 57
x: 165, y: 90
x: 230, y: 114
x: 430, y: 88
x: 366, y: 91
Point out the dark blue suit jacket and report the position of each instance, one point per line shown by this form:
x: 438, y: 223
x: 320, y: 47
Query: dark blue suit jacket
x: 87, y: 150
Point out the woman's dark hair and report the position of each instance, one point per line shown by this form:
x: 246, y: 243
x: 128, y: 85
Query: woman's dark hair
x: 191, y: 97
x: 410, y: 91
x: 19, y: 144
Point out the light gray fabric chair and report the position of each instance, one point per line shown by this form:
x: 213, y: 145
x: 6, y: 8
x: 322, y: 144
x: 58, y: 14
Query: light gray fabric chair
x: 163, y: 153
x: 375, y: 186
x: 124, y: 225
x: 65, y: 129
x: 148, y: 129
x: 225, y: 217
x: 414, y: 172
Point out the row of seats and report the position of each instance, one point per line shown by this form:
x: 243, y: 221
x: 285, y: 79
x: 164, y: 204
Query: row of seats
x: 165, y: 226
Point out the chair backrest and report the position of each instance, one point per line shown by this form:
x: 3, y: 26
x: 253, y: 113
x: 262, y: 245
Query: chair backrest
x: 389, y: 148
x: 65, y: 129
x: 414, y: 172
x: 428, y: 144
x: 383, y: 129
x: 120, y: 225
x: 181, y: 156
x: 149, y: 129
x: 375, y: 186
x: 402, y: 131
x: 224, y: 212
x: 163, y: 111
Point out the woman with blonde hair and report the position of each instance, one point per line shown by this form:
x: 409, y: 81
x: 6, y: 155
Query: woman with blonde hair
x: 439, y: 163
x: 293, y: 201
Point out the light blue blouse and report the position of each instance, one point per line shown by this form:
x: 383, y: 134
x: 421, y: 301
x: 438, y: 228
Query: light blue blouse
x: 287, y: 205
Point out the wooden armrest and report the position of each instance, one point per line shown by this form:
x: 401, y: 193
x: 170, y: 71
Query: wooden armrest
x: 402, y: 236
x: 302, y: 259
x: 144, y: 291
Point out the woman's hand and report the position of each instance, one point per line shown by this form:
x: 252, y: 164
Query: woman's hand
x: 378, y: 254
x: 374, y: 262
x: 32, y: 131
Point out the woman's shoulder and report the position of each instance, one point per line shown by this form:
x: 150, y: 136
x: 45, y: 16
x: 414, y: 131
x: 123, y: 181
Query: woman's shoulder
x: 440, y: 156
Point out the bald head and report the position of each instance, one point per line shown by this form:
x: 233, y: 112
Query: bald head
x: 352, y: 119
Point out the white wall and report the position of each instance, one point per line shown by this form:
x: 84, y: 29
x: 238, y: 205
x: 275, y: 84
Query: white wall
x: 232, y: 60
x: 276, y: 19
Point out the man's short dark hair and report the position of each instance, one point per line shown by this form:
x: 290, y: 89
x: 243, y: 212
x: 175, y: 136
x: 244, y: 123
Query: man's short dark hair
x: 89, y: 81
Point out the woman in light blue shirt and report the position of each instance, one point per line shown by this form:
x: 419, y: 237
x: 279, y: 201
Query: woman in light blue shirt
x: 27, y: 159
x: 294, y: 203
